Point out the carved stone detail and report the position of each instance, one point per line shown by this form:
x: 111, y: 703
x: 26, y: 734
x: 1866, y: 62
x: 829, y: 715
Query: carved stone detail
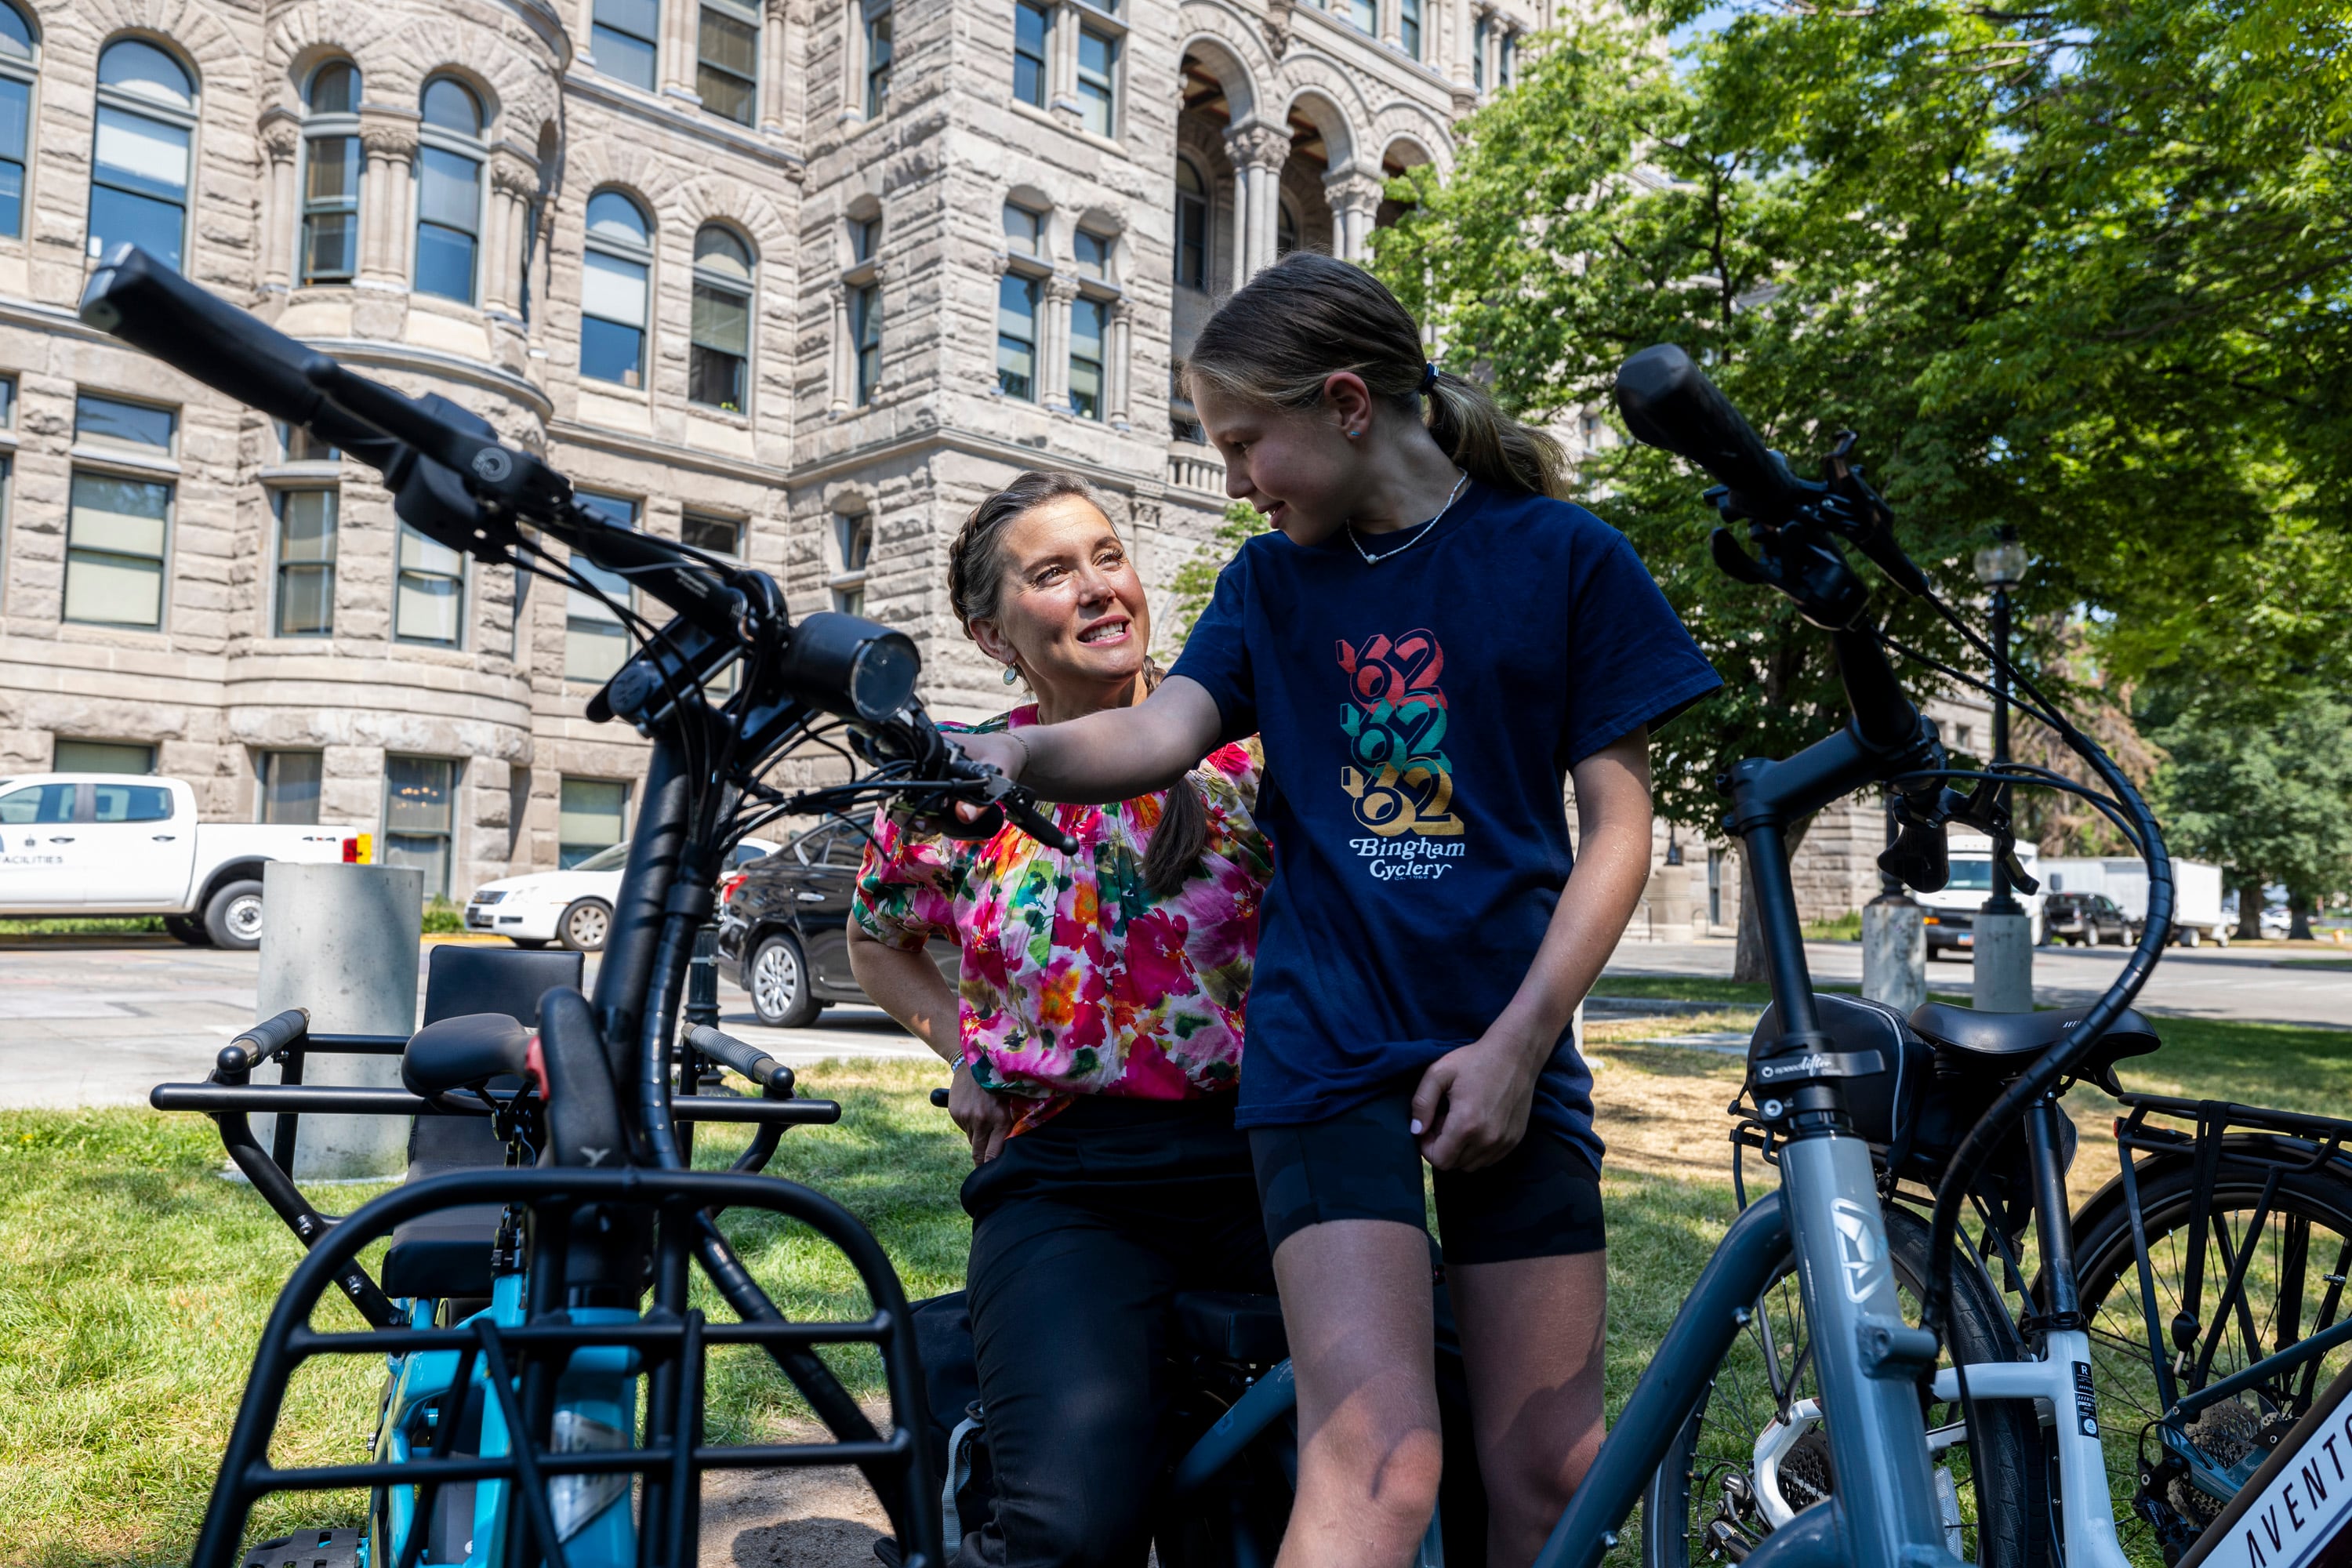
x: 1259, y: 147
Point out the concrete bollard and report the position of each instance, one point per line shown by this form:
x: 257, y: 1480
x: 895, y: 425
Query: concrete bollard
x: 1894, y: 952
x: 343, y: 941
x: 2004, y: 963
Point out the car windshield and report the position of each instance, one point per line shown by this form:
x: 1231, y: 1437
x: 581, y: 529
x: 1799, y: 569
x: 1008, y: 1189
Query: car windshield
x: 612, y: 859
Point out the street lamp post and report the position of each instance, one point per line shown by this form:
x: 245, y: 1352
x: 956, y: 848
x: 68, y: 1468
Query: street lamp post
x: 2004, y: 931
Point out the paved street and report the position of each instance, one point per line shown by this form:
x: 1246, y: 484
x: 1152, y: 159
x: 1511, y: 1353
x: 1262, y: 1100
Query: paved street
x: 2276, y: 985
x: 102, y: 1024
x: 91, y: 1023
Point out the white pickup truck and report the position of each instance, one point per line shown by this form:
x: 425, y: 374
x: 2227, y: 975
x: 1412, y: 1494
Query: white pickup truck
x: 117, y: 844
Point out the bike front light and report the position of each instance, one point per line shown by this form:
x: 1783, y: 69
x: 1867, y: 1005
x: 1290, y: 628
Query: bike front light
x: 850, y: 666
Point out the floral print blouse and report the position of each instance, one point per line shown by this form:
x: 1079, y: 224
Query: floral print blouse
x: 1077, y: 979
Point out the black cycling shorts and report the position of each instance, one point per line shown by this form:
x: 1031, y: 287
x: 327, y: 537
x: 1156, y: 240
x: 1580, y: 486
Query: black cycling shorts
x: 1541, y: 1200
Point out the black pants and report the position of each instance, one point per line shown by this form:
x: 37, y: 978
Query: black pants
x: 1083, y: 1230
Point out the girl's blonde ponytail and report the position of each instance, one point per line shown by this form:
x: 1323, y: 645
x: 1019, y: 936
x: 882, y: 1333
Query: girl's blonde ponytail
x: 1307, y: 317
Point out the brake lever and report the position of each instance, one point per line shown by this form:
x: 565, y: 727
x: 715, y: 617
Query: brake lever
x: 1853, y: 512
x: 1984, y: 812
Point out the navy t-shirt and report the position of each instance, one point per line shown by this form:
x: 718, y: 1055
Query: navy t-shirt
x: 1419, y: 717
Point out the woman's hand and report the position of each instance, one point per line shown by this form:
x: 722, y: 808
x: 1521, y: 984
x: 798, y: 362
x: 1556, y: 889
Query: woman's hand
x: 1472, y: 1107
x: 985, y: 1119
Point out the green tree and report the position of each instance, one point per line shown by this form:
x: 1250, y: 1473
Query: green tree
x: 1196, y: 580
x: 2263, y: 787
x: 2080, y: 270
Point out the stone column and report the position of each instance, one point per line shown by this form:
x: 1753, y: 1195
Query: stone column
x: 281, y: 134
x: 514, y: 181
x: 1258, y: 152
x: 1237, y: 229
x: 1062, y: 66
x: 1462, y: 18
x: 1054, y: 343
x: 679, y: 50
x: 837, y: 374
x: 387, y: 194
x: 775, y: 69
x: 1355, y: 198
x: 1120, y: 371
x: 1389, y: 14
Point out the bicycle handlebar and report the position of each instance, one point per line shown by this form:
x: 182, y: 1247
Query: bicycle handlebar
x: 774, y: 1078
x: 1668, y: 402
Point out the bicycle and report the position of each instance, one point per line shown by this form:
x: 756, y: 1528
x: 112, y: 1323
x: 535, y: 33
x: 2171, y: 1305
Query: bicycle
x: 1939, y: 1115
x: 568, y: 1392
x: 1826, y: 1081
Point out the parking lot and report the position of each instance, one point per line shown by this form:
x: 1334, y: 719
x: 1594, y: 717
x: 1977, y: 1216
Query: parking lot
x: 87, y: 1021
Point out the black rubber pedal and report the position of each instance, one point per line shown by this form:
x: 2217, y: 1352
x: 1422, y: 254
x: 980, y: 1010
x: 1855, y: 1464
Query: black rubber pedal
x: 305, y: 1549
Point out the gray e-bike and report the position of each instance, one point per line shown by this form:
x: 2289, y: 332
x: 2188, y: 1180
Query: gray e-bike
x: 1810, y: 1077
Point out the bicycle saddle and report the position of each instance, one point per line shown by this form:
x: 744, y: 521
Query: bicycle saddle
x: 1232, y: 1324
x: 459, y: 1052
x: 2010, y: 1041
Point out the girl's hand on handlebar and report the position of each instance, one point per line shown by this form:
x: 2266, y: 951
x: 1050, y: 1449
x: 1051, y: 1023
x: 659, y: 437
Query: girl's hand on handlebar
x: 1001, y: 752
x: 984, y: 1118
x: 1472, y: 1107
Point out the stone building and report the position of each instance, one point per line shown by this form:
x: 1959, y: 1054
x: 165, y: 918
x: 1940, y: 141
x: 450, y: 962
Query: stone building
x: 796, y: 278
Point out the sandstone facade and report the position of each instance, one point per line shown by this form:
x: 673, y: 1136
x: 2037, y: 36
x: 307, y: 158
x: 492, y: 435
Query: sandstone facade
x: 819, y: 207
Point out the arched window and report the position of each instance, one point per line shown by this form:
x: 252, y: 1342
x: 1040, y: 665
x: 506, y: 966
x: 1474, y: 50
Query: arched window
x: 16, y: 61
x: 720, y: 351
x: 1192, y: 226
x: 449, y: 192
x: 146, y: 126
x: 330, y: 175
x: 613, y: 290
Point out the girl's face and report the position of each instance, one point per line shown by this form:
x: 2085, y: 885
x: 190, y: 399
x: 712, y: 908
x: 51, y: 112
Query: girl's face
x: 1071, y: 615
x: 1295, y: 466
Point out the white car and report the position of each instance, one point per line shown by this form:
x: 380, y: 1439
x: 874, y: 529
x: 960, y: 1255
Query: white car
x: 574, y: 906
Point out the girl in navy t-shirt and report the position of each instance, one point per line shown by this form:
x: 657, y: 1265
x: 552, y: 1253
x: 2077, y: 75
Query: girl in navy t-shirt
x: 1427, y: 642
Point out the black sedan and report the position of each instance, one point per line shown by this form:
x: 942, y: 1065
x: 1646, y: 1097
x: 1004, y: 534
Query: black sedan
x: 2080, y: 919
x: 783, y: 923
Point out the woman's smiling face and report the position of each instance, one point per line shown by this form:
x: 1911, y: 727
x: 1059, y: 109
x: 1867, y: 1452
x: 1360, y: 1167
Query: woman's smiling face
x: 1295, y: 467
x: 1073, y: 614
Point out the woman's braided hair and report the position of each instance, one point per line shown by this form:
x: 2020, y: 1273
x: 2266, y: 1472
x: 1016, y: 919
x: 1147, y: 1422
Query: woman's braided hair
x: 976, y: 572
x: 1308, y: 317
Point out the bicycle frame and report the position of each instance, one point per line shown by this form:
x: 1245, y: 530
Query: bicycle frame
x: 1827, y: 1210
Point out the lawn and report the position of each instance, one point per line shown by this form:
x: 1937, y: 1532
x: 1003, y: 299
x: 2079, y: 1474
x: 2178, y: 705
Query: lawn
x: 137, y: 1278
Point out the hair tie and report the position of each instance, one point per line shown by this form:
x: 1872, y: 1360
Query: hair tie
x: 1428, y: 378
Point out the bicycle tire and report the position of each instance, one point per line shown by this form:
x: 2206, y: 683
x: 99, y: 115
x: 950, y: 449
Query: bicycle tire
x: 2001, y: 1498
x: 2158, y: 1513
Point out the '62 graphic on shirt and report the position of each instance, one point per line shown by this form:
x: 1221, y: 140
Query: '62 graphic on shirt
x: 1397, y: 773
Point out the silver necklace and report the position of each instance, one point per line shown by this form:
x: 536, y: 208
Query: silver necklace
x: 1418, y: 534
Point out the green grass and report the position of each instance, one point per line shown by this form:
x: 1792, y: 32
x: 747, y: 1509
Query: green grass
x: 128, y: 925
x: 1847, y: 927
x: 137, y: 1279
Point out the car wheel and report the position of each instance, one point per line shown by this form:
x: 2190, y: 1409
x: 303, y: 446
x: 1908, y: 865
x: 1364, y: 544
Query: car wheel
x: 584, y: 925
x: 184, y: 929
x: 529, y: 943
x: 233, y: 918
x: 2221, y: 936
x: 779, y: 984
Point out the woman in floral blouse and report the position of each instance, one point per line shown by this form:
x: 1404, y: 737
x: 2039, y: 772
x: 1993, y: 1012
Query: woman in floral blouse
x: 1097, y: 1038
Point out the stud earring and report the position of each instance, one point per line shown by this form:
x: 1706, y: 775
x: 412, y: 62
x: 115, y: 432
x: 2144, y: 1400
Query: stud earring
x: 1012, y: 675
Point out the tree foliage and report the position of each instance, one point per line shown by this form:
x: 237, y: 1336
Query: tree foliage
x: 2080, y: 269
x: 1196, y: 580
x: 2262, y: 787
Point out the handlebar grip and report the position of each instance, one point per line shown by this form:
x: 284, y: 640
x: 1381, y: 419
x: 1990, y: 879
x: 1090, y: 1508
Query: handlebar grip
x: 1668, y: 402
x: 750, y: 1060
x: 1026, y: 817
x: 271, y: 1036
x: 134, y: 297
